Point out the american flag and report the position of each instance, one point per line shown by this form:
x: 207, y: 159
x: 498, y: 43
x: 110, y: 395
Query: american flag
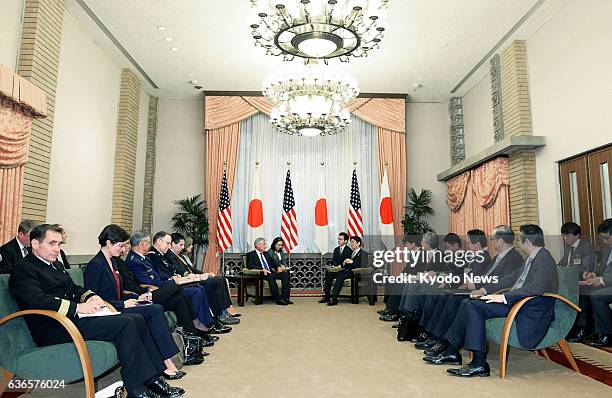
x: 355, y: 222
x: 224, y: 218
x: 288, y: 225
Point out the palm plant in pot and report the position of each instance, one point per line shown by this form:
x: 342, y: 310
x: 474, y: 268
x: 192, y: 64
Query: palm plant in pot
x: 418, y: 207
x: 190, y: 220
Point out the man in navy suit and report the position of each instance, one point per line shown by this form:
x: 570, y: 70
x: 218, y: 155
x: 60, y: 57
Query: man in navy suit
x: 600, y: 296
x: 538, y: 276
x: 260, y: 259
x: 17, y: 248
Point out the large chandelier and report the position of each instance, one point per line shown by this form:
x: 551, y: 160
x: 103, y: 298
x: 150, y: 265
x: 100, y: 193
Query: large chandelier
x: 318, y: 29
x: 310, y: 103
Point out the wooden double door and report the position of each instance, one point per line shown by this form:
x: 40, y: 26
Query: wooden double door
x: 585, y: 189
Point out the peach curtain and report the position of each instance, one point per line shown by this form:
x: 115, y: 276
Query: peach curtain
x: 388, y: 113
x: 221, y: 147
x: 15, y: 126
x: 478, y: 198
x: 392, y: 154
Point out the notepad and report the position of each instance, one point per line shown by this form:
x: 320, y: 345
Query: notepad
x: 102, y: 312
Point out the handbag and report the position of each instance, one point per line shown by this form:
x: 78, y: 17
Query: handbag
x: 191, y: 348
x: 179, y: 358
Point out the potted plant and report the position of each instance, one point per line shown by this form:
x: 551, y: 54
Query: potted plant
x: 417, y: 208
x: 190, y: 220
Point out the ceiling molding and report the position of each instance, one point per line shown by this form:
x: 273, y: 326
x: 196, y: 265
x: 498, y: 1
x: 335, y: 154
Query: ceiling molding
x: 259, y: 94
x: 116, y: 42
x: 498, y: 44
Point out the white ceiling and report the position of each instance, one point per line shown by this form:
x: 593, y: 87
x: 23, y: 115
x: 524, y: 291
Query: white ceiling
x: 215, y: 46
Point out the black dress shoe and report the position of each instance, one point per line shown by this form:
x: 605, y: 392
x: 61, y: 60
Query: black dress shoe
x: 395, y: 326
x: 578, y: 336
x: 204, y: 340
x: 436, y: 350
x: 195, y: 360
x: 471, y: 371
x: 324, y: 300
x: 389, y: 318
x: 163, y: 389
x: 236, y: 315
x: 209, y: 338
x: 226, y: 319
x: 281, y: 302
x: 444, y: 359
x: 218, y: 329
x: 289, y: 302
x: 426, y: 345
x: 332, y: 302
x: 603, y: 341
x: 383, y: 311
x: 421, y: 337
x: 177, y: 375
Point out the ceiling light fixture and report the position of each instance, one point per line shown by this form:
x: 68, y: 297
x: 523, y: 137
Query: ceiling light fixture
x: 318, y: 29
x: 168, y: 39
x: 161, y: 28
x: 174, y: 49
x: 310, y: 103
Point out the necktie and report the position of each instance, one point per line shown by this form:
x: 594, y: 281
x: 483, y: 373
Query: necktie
x: 497, y: 261
x: 521, y: 280
x: 24, y: 251
x: 263, y: 262
x: 570, y: 254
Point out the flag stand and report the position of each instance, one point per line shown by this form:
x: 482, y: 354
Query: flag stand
x: 223, y: 263
x: 322, y: 273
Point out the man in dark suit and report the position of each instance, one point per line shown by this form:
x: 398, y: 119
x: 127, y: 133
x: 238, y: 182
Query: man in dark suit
x: 538, y: 276
x: 17, y: 248
x: 190, y: 283
x: 600, y: 297
x: 506, y: 262
x: 36, y: 283
x: 341, y: 253
x: 357, y: 259
x: 215, y: 286
x: 260, y: 259
x: 577, y: 252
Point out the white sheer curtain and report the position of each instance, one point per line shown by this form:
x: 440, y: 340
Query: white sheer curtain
x: 260, y: 142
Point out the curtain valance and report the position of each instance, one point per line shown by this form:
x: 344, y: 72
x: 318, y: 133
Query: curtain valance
x: 222, y: 111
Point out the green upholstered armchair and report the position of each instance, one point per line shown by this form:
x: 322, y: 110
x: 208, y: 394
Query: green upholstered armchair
x: 362, y: 283
x: 503, y: 330
x: 69, y: 362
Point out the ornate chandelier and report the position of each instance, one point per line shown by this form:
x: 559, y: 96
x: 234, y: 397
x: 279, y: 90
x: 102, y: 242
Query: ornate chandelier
x: 318, y: 29
x: 310, y: 103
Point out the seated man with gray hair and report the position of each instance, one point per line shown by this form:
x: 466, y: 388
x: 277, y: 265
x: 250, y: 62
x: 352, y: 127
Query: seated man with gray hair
x: 17, y: 248
x: 260, y: 259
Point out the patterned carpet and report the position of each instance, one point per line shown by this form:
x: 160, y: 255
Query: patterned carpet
x: 595, y: 363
